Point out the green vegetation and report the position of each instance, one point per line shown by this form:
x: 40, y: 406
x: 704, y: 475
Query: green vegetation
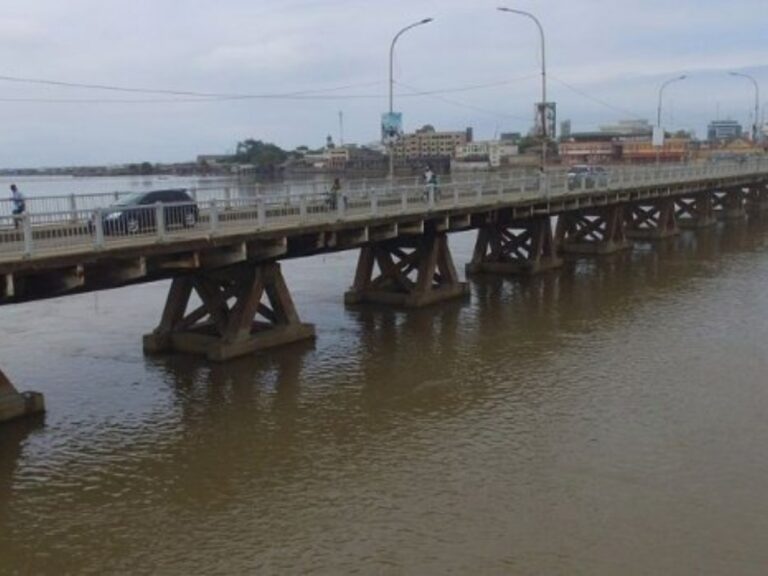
x: 263, y: 155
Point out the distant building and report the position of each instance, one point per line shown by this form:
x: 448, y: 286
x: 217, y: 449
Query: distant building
x: 513, y: 137
x: 565, y: 129
x: 486, y: 153
x: 724, y: 130
x: 605, y: 147
x: 428, y: 143
x: 590, y: 148
x: 628, y: 128
x: 336, y: 159
x: 643, y: 151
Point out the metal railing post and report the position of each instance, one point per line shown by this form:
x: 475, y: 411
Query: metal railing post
x: 303, y: 207
x: 261, y: 212
x: 73, y: 208
x: 98, y: 225
x: 374, y: 204
x: 341, y: 206
x: 160, y: 220
x: 431, y: 197
x: 26, y: 226
x: 227, y: 198
x: 214, y: 216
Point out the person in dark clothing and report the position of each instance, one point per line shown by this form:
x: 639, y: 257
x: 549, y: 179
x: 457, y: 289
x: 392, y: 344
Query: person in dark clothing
x: 19, y: 205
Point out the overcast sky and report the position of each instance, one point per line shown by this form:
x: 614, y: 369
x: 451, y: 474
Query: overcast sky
x: 606, y: 59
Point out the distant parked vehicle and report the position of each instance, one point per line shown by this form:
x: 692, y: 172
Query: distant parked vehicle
x: 135, y: 213
x: 586, y: 176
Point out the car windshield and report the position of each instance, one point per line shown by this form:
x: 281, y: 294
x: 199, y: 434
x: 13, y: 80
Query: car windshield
x: 131, y: 200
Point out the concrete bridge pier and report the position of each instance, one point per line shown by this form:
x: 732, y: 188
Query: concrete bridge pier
x: 598, y: 230
x: 517, y: 247
x: 696, y: 211
x: 757, y: 200
x: 411, y: 272
x: 730, y: 204
x: 14, y: 404
x: 244, y: 308
x: 653, y: 220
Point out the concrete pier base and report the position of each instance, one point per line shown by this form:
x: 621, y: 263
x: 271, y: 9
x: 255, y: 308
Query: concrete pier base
x: 225, y: 325
x: 412, y: 273
x: 652, y: 221
x: 14, y: 404
x: 695, y: 212
x: 518, y: 248
x: 597, y: 231
x: 730, y: 204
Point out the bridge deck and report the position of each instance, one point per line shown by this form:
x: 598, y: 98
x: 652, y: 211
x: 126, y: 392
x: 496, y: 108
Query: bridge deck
x: 66, y: 243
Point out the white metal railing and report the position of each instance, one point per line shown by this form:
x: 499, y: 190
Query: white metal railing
x: 101, y: 227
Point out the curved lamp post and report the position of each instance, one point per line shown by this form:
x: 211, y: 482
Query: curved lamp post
x: 658, y: 110
x: 392, y: 83
x: 661, y: 93
x: 543, y: 80
x: 757, y: 101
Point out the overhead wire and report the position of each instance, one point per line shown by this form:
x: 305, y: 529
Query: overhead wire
x: 581, y: 92
x: 186, y: 96
x: 461, y: 104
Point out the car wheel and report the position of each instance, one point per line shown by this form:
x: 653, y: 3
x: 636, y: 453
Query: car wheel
x: 132, y: 226
x: 190, y: 219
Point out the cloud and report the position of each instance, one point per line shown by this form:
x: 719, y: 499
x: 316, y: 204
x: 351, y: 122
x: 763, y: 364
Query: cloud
x: 282, y: 53
x: 614, y: 52
x: 19, y: 31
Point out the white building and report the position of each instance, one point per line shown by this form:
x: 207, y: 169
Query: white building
x: 488, y: 152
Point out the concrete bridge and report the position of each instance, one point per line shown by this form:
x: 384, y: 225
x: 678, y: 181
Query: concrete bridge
x: 229, y: 256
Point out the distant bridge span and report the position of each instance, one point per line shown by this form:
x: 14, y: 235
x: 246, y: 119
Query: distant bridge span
x: 229, y: 256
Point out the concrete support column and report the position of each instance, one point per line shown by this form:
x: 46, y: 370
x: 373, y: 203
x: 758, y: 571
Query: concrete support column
x: 523, y: 247
x: 407, y: 272
x: 14, y: 404
x: 244, y: 308
x: 592, y: 231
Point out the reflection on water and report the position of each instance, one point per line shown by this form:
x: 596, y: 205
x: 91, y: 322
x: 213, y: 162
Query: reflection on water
x: 608, y: 418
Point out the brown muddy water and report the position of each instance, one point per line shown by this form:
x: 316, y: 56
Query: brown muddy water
x: 611, y: 418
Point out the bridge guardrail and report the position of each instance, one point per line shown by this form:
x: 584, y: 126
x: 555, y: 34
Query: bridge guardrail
x: 98, y: 228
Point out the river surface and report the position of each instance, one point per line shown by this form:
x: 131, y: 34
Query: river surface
x: 610, y: 418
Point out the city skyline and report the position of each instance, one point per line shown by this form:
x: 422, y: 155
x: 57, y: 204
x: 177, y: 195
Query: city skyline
x: 484, y: 75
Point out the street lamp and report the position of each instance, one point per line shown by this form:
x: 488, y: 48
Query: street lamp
x: 392, y: 84
x: 543, y: 81
x: 658, y: 110
x: 757, y: 101
x: 661, y: 92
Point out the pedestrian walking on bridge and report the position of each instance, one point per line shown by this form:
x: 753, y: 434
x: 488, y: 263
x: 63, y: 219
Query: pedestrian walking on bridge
x: 19, y: 205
